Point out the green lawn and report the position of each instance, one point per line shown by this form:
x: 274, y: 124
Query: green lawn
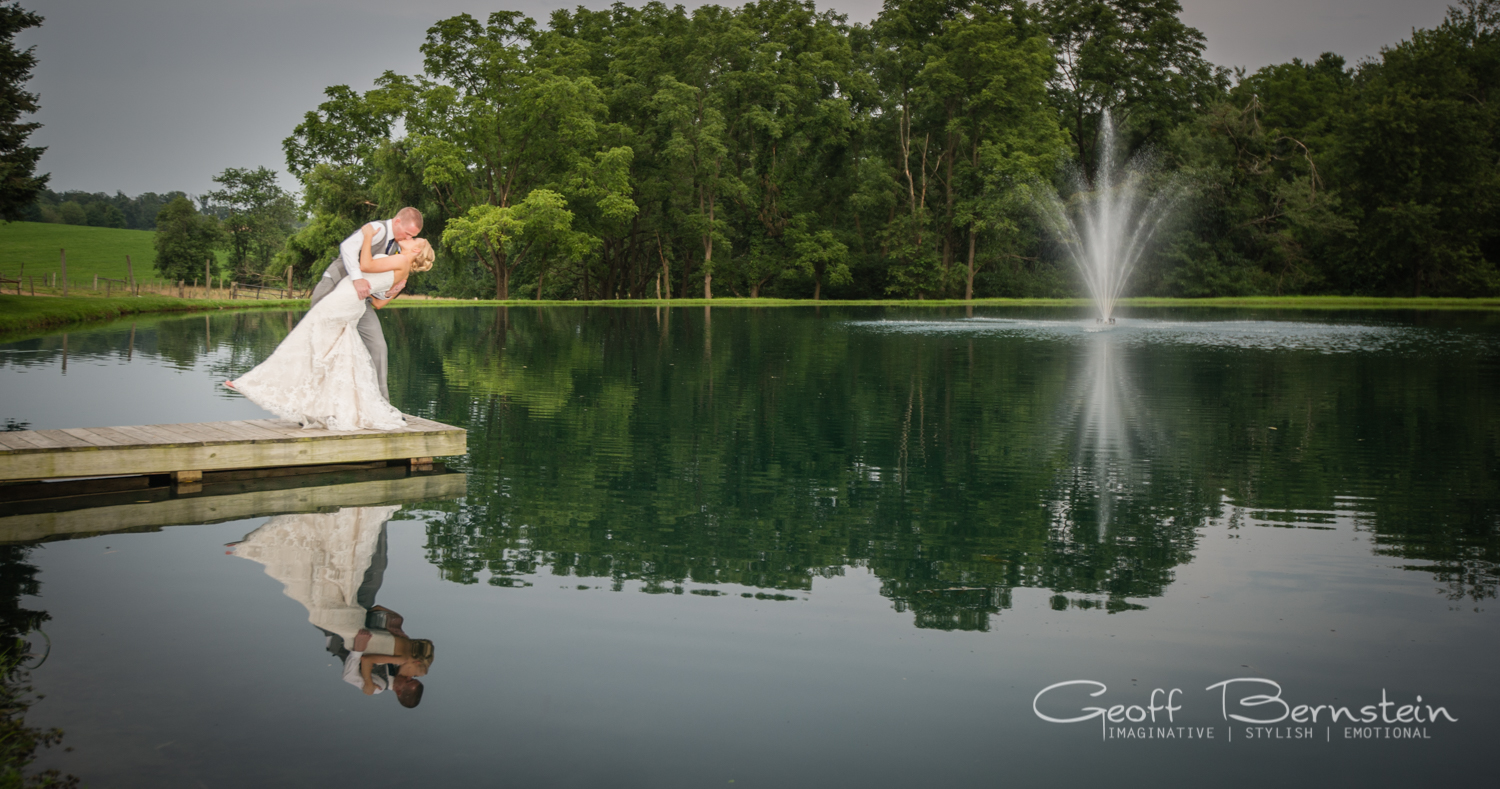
x: 91, y: 250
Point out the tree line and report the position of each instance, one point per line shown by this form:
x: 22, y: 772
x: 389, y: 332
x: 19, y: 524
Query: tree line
x: 98, y: 209
x: 776, y: 150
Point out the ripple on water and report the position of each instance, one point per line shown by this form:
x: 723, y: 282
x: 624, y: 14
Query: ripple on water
x: 1234, y: 334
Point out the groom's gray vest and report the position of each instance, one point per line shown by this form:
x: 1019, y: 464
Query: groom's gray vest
x: 337, y: 270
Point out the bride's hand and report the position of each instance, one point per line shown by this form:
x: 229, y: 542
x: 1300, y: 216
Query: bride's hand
x: 368, y: 230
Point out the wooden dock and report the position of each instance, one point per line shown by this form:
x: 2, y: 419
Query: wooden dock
x: 186, y: 451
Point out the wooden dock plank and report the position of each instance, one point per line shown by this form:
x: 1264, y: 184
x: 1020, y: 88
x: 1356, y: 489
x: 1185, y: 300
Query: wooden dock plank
x: 239, y: 433
x: 13, y: 443
x: 61, y: 439
x: 280, y: 427
x: 254, y: 431
x: 141, y: 437
x: 161, y: 434
x: 120, y: 439
x: 202, y: 432
x: 32, y: 440
x: 210, y: 446
x: 94, y: 439
x: 114, y: 434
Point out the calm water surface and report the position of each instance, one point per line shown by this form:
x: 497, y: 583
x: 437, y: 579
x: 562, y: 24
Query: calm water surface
x: 789, y: 548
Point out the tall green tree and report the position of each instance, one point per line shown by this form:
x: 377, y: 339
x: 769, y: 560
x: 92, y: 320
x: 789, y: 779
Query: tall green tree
x: 185, y: 241
x: 19, y: 183
x: 1134, y: 59
x: 488, y: 126
x: 1421, y: 160
x: 1259, y: 166
x: 104, y: 215
x: 971, y: 126
x: 258, y: 216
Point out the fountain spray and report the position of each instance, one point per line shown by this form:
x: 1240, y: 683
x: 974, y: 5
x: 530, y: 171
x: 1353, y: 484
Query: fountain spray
x: 1116, y: 216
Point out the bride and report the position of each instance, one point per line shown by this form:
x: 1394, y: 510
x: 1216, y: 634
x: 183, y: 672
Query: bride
x: 321, y: 374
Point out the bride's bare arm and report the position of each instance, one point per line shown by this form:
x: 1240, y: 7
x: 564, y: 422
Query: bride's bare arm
x: 369, y: 264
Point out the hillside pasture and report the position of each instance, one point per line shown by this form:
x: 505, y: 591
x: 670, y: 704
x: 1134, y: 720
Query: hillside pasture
x: 33, y: 248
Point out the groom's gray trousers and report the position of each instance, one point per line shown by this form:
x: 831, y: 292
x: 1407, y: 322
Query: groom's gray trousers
x: 369, y: 324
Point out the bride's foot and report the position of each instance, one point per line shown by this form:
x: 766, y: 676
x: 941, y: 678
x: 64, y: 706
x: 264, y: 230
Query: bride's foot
x: 230, y: 386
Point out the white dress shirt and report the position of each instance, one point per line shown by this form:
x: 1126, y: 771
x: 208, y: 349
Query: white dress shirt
x: 349, y: 249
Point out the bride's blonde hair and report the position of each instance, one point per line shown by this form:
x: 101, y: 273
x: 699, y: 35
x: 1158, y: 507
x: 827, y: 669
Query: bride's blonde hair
x: 424, y: 255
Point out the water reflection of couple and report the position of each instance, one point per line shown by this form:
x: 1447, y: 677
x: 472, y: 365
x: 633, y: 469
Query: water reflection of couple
x: 333, y: 564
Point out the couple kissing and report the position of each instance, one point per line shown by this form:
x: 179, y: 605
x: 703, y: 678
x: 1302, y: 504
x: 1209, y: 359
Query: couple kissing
x: 330, y: 371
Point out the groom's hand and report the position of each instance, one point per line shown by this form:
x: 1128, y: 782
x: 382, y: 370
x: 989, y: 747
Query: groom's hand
x: 362, y: 288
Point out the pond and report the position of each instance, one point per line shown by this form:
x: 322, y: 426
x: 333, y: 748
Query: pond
x: 813, y: 547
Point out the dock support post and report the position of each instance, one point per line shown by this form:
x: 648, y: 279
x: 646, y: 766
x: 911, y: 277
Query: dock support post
x: 187, y: 482
x: 421, y: 464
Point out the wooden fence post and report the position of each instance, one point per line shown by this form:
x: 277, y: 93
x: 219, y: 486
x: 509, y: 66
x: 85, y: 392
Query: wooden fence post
x: 180, y: 293
x: 208, y: 282
x: 130, y: 277
x: 96, y: 283
x: 64, y: 271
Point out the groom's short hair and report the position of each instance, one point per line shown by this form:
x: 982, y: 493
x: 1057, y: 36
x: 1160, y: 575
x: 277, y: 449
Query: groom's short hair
x: 412, y: 218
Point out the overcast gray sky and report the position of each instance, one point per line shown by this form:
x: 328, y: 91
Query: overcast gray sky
x: 156, y: 95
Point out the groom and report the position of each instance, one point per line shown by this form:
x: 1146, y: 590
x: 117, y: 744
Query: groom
x: 405, y: 225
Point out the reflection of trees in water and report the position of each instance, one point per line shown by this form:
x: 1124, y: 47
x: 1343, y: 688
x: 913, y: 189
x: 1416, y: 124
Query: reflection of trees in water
x: 19, y: 742
x: 625, y: 444
x: 238, y: 341
x: 615, y: 445
x: 17, y: 579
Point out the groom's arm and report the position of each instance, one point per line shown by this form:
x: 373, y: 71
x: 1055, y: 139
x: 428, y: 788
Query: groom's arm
x: 349, y: 251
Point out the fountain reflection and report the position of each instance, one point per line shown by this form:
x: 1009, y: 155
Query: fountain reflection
x: 1107, y: 424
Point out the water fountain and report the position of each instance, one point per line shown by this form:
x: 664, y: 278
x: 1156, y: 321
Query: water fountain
x: 1116, y: 216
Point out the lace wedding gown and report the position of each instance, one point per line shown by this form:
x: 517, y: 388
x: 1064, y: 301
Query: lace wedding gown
x: 320, y: 560
x: 321, y: 374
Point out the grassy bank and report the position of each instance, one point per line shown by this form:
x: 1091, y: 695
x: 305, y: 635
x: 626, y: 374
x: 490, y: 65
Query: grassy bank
x: 25, y: 314
x: 1258, y: 302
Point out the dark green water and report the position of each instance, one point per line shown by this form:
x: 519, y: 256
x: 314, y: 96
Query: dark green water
x: 796, y: 548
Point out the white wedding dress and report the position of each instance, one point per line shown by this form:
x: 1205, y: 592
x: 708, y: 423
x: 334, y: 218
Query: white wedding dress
x: 321, y: 374
x: 320, y: 560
